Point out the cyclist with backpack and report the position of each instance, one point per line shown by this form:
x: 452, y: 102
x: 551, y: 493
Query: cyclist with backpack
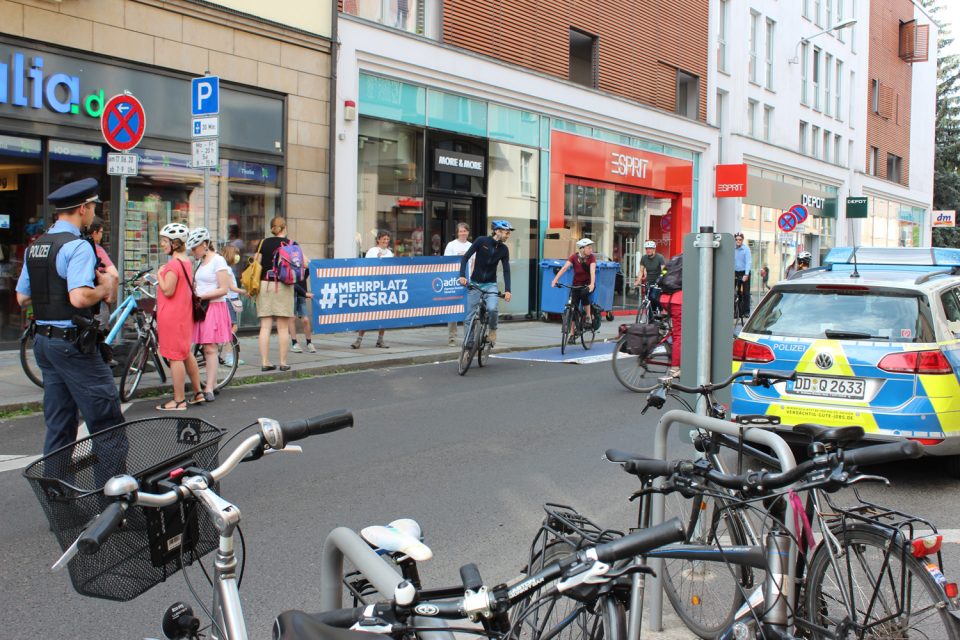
x: 275, y: 301
x: 489, y: 251
x: 652, y: 264
x: 584, y: 265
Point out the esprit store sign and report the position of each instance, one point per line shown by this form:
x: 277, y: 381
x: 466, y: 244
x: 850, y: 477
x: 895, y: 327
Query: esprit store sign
x: 24, y: 82
x: 731, y: 181
x: 622, y: 164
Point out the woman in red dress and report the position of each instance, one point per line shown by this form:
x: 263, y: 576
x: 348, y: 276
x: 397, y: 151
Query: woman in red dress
x: 175, y: 317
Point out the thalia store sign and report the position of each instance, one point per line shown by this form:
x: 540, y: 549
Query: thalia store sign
x: 24, y: 82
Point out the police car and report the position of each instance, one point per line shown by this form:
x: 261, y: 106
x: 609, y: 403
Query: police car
x: 874, y: 336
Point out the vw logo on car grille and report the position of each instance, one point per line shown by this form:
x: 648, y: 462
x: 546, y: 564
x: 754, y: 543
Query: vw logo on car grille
x: 824, y: 361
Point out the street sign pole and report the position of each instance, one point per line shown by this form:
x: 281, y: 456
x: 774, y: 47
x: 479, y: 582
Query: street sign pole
x: 204, y: 103
x: 206, y: 198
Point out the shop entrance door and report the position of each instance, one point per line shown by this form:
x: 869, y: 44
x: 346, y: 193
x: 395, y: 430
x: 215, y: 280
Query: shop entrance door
x: 443, y: 215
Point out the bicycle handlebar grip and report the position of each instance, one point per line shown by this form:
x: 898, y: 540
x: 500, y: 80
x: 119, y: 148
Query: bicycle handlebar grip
x: 100, y: 529
x: 881, y: 453
x: 640, y: 467
x: 777, y: 376
x: 470, y: 576
x: 639, y: 542
x: 326, y: 423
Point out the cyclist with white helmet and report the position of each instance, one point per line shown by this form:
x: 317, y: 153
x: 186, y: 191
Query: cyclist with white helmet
x: 490, y: 251
x: 802, y: 263
x: 175, y: 316
x: 652, y: 265
x: 212, y: 280
x: 584, y: 265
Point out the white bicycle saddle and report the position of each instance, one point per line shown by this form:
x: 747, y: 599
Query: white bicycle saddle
x: 401, y: 536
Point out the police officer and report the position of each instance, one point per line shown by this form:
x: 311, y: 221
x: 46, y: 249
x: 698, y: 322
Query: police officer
x: 61, y: 280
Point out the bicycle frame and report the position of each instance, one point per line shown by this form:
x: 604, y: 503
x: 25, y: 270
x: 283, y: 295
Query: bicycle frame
x: 119, y: 317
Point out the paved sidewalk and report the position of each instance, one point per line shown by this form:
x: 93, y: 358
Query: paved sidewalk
x: 334, y: 355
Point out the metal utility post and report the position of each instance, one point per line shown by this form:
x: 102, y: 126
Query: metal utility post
x: 706, y: 241
x: 205, y: 130
x: 206, y: 197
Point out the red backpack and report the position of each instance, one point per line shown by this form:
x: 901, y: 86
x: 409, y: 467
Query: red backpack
x: 288, y: 263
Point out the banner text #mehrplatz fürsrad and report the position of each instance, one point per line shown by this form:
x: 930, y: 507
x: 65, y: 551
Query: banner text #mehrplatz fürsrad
x: 385, y: 293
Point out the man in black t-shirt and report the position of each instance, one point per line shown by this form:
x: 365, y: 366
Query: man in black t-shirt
x: 652, y: 265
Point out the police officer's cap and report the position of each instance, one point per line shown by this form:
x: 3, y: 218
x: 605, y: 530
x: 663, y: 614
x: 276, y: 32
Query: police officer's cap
x: 74, y: 194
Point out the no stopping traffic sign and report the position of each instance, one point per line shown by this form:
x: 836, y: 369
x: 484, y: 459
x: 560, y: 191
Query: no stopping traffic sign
x: 123, y: 122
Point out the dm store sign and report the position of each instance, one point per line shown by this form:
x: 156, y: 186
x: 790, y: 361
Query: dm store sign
x: 385, y: 293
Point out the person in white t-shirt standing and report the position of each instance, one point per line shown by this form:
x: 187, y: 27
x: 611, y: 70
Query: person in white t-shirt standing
x: 211, y: 282
x: 379, y: 250
x: 458, y: 247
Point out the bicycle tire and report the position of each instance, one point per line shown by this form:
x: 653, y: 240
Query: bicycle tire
x: 133, y: 368
x: 587, y: 334
x: 564, y: 617
x: 483, y: 350
x: 630, y: 370
x: 28, y: 361
x: 862, y: 552
x: 225, y: 372
x: 705, y: 594
x: 565, y: 330
x: 466, y: 352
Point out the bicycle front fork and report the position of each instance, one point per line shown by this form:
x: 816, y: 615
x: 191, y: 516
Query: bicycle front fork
x: 769, y: 605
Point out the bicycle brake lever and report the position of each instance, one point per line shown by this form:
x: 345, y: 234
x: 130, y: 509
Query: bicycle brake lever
x: 862, y: 477
x: 66, y: 557
x: 290, y: 448
x: 630, y: 570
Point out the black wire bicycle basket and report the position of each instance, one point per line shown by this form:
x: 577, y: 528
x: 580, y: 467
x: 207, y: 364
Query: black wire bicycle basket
x: 153, y: 543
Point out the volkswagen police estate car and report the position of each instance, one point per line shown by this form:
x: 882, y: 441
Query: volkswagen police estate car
x: 874, y: 336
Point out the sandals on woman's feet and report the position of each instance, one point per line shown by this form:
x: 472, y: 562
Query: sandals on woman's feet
x: 198, y: 398
x: 178, y: 405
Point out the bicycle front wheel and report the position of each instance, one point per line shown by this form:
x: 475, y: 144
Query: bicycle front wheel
x: 28, y: 361
x: 228, y: 356
x: 706, y: 594
x: 886, y: 591
x: 565, y: 320
x: 588, y: 335
x: 133, y: 369
x: 470, y: 345
x: 483, y: 350
x: 562, y: 618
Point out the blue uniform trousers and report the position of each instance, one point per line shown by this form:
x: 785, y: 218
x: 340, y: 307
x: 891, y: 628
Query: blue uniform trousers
x: 72, y: 382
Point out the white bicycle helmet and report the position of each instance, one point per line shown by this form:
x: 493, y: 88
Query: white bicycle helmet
x: 584, y: 242
x: 175, y: 231
x: 649, y: 244
x: 804, y: 256
x: 197, y: 237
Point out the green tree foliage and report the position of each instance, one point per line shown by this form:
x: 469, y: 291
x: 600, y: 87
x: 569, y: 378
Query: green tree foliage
x: 946, y: 163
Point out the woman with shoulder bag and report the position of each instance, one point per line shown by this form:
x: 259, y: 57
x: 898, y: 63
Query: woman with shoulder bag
x: 175, y: 317
x: 212, y: 282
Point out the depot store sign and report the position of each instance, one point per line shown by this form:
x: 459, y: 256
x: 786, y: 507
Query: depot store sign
x: 616, y: 166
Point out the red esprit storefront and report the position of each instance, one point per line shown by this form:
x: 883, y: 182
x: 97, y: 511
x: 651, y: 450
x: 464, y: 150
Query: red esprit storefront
x: 619, y: 197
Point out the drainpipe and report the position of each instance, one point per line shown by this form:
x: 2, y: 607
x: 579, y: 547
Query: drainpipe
x: 332, y: 141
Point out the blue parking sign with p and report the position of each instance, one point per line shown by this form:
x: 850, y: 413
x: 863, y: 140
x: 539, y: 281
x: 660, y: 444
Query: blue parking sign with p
x: 205, y: 96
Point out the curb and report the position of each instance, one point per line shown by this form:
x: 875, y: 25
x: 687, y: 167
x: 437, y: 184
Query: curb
x: 36, y: 406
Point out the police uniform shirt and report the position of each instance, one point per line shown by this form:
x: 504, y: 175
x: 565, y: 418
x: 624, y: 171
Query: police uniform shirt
x: 75, y: 264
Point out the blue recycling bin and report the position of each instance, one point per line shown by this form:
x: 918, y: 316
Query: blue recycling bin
x: 606, y: 282
x: 553, y: 299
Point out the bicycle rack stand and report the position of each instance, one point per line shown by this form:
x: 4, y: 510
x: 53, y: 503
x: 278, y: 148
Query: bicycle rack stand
x: 755, y: 434
x: 345, y: 542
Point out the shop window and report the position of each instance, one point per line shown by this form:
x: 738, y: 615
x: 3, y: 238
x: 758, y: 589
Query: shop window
x: 22, y: 220
x: 512, y: 186
x: 583, y: 58
x: 399, y: 14
x: 688, y: 95
x: 894, y: 167
x: 390, y: 185
x: 526, y: 174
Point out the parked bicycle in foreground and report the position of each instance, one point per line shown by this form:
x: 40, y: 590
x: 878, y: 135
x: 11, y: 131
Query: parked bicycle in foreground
x: 124, y: 534
x: 475, y: 333
x: 573, y: 321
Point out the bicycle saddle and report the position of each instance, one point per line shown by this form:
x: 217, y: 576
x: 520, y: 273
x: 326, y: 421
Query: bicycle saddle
x: 403, y: 536
x: 297, y: 625
x: 829, y: 435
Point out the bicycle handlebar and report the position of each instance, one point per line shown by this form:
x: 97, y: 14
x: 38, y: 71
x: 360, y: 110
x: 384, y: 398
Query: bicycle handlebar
x: 561, y: 285
x: 767, y: 481
x: 273, y: 435
x: 758, y: 378
x: 470, y: 285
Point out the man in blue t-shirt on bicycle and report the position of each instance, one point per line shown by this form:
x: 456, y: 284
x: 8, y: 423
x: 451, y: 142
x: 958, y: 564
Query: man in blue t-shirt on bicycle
x: 489, y: 250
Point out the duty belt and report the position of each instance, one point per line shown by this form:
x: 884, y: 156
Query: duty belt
x: 50, y: 331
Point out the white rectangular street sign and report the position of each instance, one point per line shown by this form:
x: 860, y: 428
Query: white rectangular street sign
x: 122, y: 164
x: 208, y: 127
x: 206, y: 153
